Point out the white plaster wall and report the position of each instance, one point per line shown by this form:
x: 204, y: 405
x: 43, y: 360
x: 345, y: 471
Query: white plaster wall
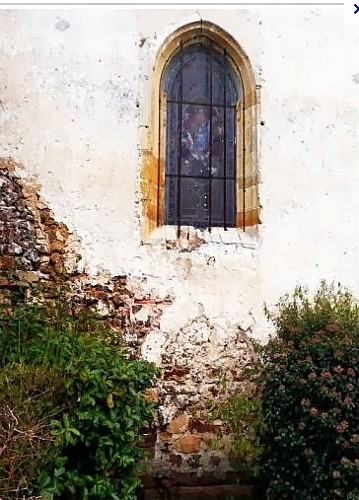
x: 74, y: 89
x: 309, y: 149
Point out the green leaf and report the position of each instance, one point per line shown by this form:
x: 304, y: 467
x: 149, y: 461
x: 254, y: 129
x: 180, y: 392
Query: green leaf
x: 109, y: 400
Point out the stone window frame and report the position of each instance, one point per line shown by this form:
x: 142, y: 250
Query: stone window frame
x: 153, y: 150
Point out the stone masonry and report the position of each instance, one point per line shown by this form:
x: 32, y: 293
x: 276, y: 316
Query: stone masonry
x: 202, y: 362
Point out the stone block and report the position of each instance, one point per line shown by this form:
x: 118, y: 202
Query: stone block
x: 178, y: 424
x: 190, y: 443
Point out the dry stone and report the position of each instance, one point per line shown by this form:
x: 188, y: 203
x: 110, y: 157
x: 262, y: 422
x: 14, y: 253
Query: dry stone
x: 178, y: 424
x: 193, y: 358
x: 190, y: 443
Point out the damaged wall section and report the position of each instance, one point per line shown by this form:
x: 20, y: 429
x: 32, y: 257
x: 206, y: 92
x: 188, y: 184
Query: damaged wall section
x: 201, y: 364
x: 192, y: 360
x: 38, y: 247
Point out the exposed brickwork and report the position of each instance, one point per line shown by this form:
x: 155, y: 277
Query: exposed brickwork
x: 34, y: 244
x: 203, y: 362
x: 18, y: 228
x: 200, y: 362
x: 31, y: 239
x: 125, y: 304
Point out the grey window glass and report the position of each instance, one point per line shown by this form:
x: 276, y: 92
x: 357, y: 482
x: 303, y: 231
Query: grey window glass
x: 202, y: 90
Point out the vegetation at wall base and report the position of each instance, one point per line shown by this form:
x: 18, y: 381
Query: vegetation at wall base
x: 299, y: 433
x: 243, y: 425
x: 311, y: 397
x: 72, y: 403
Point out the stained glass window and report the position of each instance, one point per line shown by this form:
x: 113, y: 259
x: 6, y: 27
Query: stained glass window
x: 202, y: 90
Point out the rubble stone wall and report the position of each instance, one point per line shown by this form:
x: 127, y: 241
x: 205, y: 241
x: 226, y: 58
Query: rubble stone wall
x: 193, y: 361
x: 75, y: 112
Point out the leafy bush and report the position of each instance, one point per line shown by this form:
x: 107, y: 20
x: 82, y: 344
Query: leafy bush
x: 311, y: 398
x: 30, y: 396
x: 79, y: 401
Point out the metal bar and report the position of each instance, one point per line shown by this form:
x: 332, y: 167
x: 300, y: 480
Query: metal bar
x: 210, y: 139
x: 180, y: 144
x: 202, y: 224
x: 200, y: 104
x: 159, y: 160
x: 224, y: 140
x: 244, y: 164
x: 235, y: 146
x: 188, y: 176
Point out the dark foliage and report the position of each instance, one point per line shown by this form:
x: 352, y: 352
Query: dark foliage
x: 72, y: 403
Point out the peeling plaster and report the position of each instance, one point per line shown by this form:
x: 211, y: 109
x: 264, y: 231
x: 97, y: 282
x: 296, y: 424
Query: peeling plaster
x: 75, y: 102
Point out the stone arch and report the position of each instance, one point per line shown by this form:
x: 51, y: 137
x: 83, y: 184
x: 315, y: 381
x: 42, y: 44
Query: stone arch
x: 153, y: 164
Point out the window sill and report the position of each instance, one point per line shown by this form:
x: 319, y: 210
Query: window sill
x: 190, y: 238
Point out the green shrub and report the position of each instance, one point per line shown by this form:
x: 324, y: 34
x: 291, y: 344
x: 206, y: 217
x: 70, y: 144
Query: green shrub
x: 311, y: 398
x: 30, y: 397
x: 83, y: 391
x: 242, y: 416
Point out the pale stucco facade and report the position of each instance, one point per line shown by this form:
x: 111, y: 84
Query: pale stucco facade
x: 75, y: 91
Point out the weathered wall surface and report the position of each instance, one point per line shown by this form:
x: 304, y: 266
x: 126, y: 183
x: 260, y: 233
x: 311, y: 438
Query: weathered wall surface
x: 36, y: 248
x: 75, y: 89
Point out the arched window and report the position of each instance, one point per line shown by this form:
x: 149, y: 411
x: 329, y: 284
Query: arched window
x: 199, y: 165
x: 202, y: 93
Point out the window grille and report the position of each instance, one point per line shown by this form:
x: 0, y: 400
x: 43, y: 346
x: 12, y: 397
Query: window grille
x: 202, y: 91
